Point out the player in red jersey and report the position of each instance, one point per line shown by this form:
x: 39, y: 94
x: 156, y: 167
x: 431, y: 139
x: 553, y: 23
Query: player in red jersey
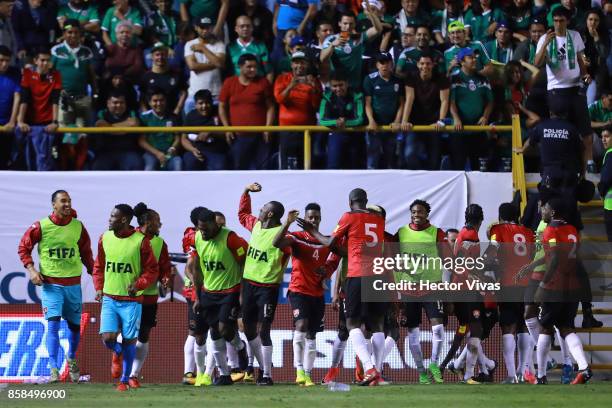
x: 512, y: 246
x: 365, y: 232
x: 305, y: 289
x: 559, y: 290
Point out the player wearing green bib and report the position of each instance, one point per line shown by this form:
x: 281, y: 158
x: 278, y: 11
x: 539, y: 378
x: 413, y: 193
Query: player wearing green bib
x: 421, y: 239
x: 149, y: 225
x: 63, y: 248
x: 263, y: 273
x: 124, y: 268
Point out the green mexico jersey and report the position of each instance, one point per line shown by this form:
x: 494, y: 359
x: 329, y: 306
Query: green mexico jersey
x: 111, y: 21
x: 422, y: 248
x: 347, y: 58
x: 123, y: 263
x: 471, y: 94
x: 264, y: 262
x: 84, y: 15
x: 58, y: 249
x: 482, y: 58
x: 157, y: 243
x: 479, y: 25
x: 74, y: 66
x: 408, y: 59
x: 236, y: 49
x: 598, y: 113
x: 161, y: 141
x: 608, y: 197
x: 385, y: 94
x: 202, y: 8
x: 219, y: 267
x: 163, y: 27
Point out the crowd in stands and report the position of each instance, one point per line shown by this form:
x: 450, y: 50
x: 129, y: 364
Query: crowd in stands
x: 336, y: 63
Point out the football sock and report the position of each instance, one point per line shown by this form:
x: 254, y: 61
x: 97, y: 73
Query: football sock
x: 534, y: 328
x: 389, y: 344
x: 219, y: 352
x: 237, y: 342
x: 267, y: 360
x: 299, y: 340
x: 74, y: 336
x: 310, y: 354
x: 232, y: 355
x: 525, y: 352
x: 200, y: 357
x: 509, y: 347
x: 485, y: 362
x: 256, y: 350
x: 542, y: 353
x: 338, y: 351
x: 248, y: 347
x: 53, y: 343
x: 129, y: 351
x: 460, y: 361
x: 575, y: 347
x: 437, y: 339
x: 567, y: 358
x: 471, y: 357
x: 414, y: 342
x: 142, y: 350
x: 189, y: 355
x: 378, y: 348
x: 361, y: 348
x: 210, y: 357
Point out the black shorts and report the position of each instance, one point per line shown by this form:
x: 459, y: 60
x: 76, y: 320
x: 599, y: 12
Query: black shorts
x: 559, y: 314
x: 196, y: 322
x: 530, y: 291
x: 469, y: 312
x: 490, y: 318
x: 572, y: 102
x: 308, y: 307
x: 258, y: 302
x: 411, y: 312
x: 219, y: 307
x: 390, y: 320
x: 148, y: 317
x: 511, y: 313
x: 354, y: 307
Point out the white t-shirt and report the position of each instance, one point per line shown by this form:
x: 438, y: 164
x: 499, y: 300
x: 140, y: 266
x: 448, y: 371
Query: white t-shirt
x: 564, y: 77
x: 211, y: 79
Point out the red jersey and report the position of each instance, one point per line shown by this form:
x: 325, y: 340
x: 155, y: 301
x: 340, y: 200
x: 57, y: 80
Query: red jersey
x: 307, y: 256
x: 361, y: 228
x: 189, y: 248
x: 561, y: 238
x: 40, y: 88
x: 467, y: 245
x: 513, y: 257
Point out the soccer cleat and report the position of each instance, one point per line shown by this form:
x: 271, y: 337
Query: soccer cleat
x: 189, y: 378
x: 331, y: 375
x: 371, y: 376
x: 265, y: 381
x: 583, y: 377
x: 202, y: 379
x: 223, y: 380
x: 358, y: 370
x: 133, y: 382
x: 116, y: 367
x: 435, y: 372
x: 521, y: 379
x: 249, y: 375
x: 243, y: 358
x: 455, y: 370
x: 308, y: 381
x: 73, y: 370
x: 424, y: 378
x: 566, y: 374
x: 471, y: 381
x: 530, y: 377
x: 121, y: 387
x: 492, y: 371
x: 55, y: 376
x: 542, y: 380
x: 300, y: 377
x: 511, y: 380
x: 483, y: 378
x: 237, y: 375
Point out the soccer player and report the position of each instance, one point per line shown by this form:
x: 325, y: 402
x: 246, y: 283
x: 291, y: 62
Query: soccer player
x: 305, y: 289
x: 263, y: 274
x: 149, y: 224
x: 420, y: 238
x: 64, y: 248
x: 124, y: 267
x: 512, y: 245
x: 220, y: 258
x: 362, y: 228
x: 559, y: 290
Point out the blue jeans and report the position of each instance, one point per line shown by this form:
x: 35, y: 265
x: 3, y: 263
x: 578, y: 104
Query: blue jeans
x: 35, y: 148
x: 291, y: 150
x: 346, y: 150
x: 422, y: 151
x: 151, y: 163
x: 129, y: 160
x: 212, y: 161
x: 381, y: 150
x: 243, y: 151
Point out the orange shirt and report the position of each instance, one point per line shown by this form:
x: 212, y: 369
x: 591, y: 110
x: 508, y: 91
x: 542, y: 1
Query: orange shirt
x: 302, y: 104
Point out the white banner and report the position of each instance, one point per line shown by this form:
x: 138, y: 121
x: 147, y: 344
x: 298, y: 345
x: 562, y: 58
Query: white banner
x: 26, y: 197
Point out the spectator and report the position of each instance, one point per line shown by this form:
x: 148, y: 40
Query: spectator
x: 600, y: 112
x: 246, y: 44
x: 407, y: 41
x: 501, y: 48
x: 205, y: 57
x: 456, y: 32
x: 162, y: 23
x: 516, y: 90
x: 313, y: 50
x: 605, y: 182
x: 381, y: 43
x: 34, y: 24
x: 341, y: 107
x: 204, y: 150
x: 407, y: 62
x: 9, y: 103
x: 526, y: 50
x: 345, y: 50
x: 291, y: 14
x: 163, y: 77
x: 124, y: 57
x: 519, y: 15
x: 215, y: 10
x: 329, y: 12
x: 177, y: 62
x: 86, y: 14
x: 120, y: 14
x: 427, y: 103
x: 411, y: 14
x: 117, y: 151
x: 246, y: 100
x: 7, y: 33
x: 293, y: 43
x: 576, y: 16
x: 482, y: 18
x: 38, y: 111
x: 116, y: 81
x: 298, y: 95
x: 471, y: 104
x: 384, y: 105
x: 161, y: 149
x: 563, y: 52
x: 596, y: 50
x: 441, y: 19
x: 261, y: 18
x: 74, y: 61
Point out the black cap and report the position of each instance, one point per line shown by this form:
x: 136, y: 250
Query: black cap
x: 384, y: 57
x: 358, y: 194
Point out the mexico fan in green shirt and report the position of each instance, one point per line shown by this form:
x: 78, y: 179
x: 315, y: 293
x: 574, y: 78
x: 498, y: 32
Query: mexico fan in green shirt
x: 600, y: 111
x: 458, y: 37
x: 216, y: 10
x: 263, y: 273
x: 63, y: 248
x: 119, y: 13
x: 219, y: 261
x: 124, y: 268
x: 86, y: 14
x: 247, y: 44
x: 149, y: 224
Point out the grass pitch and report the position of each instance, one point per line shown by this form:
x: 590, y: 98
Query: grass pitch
x: 430, y: 396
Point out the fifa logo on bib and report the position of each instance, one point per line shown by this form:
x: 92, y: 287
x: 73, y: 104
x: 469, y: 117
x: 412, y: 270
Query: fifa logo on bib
x: 61, y: 252
x: 260, y: 256
x: 213, y: 265
x: 118, y: 267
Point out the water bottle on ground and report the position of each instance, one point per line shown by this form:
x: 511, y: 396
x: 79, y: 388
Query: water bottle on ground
x: 338, y: 387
